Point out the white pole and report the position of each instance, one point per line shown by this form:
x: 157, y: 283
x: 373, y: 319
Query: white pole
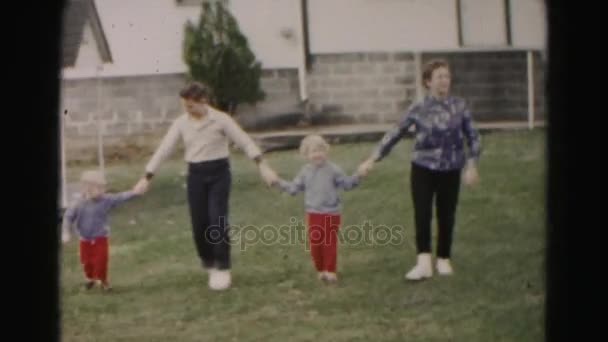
x: 302, y: 73
x: 418, y: 75
x: 418, y: 80
x: 299, y: 40
x: 530, y: 90
x: 99, y: 133
x: 64, y: 191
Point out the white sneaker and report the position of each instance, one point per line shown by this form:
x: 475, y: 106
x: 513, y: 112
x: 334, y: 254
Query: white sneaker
x: 331, y: 277
x: 444, y: 267
x: 219, y: 279
x: 423, y: 268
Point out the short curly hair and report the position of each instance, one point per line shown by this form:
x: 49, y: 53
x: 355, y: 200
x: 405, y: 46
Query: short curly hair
x: 194, y: 91
x: 427, y: 71
x: 311, y: 141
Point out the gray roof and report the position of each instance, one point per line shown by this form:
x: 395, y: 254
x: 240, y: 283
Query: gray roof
x: 76, y: 14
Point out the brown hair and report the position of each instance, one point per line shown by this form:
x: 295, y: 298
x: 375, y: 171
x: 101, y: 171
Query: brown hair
x: 427, y: 71
x: 194, y: 91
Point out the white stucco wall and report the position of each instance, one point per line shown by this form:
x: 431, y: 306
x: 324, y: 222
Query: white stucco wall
x: 382, y: 25
x: 483, y: 23
x: 528, y: 23
x: 145, y: 36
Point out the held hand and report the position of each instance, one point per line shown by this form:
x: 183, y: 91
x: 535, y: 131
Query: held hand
x: 365, y: 167
x: 270, y: 177
x: 141, y: 187
x: 65, y: 237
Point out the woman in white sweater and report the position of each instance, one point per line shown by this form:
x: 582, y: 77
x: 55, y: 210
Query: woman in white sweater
x: 206, y: 132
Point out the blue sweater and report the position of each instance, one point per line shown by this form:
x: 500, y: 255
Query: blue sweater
x: 320, y: 185
x: 441, y: 127
x: 90, y: 217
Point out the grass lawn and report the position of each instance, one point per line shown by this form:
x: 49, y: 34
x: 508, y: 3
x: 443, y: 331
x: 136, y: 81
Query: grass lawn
x: 160, y: 292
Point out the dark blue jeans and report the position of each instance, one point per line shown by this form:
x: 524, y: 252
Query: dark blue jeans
x: 209, y: 185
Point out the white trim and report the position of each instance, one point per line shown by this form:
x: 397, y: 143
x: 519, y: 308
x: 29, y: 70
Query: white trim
x: 481, y: 49
x: 70, y: 73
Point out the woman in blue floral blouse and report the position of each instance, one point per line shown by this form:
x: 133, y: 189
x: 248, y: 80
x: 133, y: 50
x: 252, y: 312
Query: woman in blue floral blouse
x: 442, y: 123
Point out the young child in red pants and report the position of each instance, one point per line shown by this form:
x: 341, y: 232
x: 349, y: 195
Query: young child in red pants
x: 89, y: 217
x: 320, y: 180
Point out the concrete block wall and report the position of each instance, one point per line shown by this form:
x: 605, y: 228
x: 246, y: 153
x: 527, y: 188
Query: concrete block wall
x: 361, y: 87
x: 342, y: 88
x: 138, y: 110
x: 379, y: 87
x: 495, y: 84
x: 121, y: 106
x: 282, y: 90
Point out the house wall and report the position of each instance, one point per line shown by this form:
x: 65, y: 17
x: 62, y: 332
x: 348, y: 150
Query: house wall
x: 361, y: 70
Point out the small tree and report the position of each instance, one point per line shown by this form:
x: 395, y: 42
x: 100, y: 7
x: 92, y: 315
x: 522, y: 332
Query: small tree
x: 218, y: 55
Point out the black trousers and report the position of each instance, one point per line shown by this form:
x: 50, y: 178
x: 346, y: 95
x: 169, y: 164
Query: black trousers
x: 443, y: 187
x: 209, y: 185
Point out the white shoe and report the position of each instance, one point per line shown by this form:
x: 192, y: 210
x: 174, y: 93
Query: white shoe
x: 423, y: 268
x: 444, y: 267
x: 219, y: 279
x: 331, y: 277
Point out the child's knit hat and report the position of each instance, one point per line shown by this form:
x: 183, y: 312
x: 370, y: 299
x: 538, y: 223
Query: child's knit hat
x: 93, y: 176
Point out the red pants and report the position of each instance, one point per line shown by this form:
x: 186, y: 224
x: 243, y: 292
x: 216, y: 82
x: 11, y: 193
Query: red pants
x: 94, y: 258
x: 323, y: 237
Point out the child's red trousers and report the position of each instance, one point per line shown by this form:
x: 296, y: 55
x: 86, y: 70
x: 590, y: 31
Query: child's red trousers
x: 94, y: 258
x: 323, y: 238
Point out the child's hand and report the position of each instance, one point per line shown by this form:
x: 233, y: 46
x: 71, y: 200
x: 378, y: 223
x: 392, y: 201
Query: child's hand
x: 65, y: 237
x: 360, y: 174
x: 365, y: 167
x: 141, y: 187
x: 273, y: 181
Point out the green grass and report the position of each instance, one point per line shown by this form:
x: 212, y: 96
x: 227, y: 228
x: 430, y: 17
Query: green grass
x: 496, y: 294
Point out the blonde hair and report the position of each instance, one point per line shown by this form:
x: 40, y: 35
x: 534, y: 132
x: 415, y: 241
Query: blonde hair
x: 94, y: 177
x: 312, y: 141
